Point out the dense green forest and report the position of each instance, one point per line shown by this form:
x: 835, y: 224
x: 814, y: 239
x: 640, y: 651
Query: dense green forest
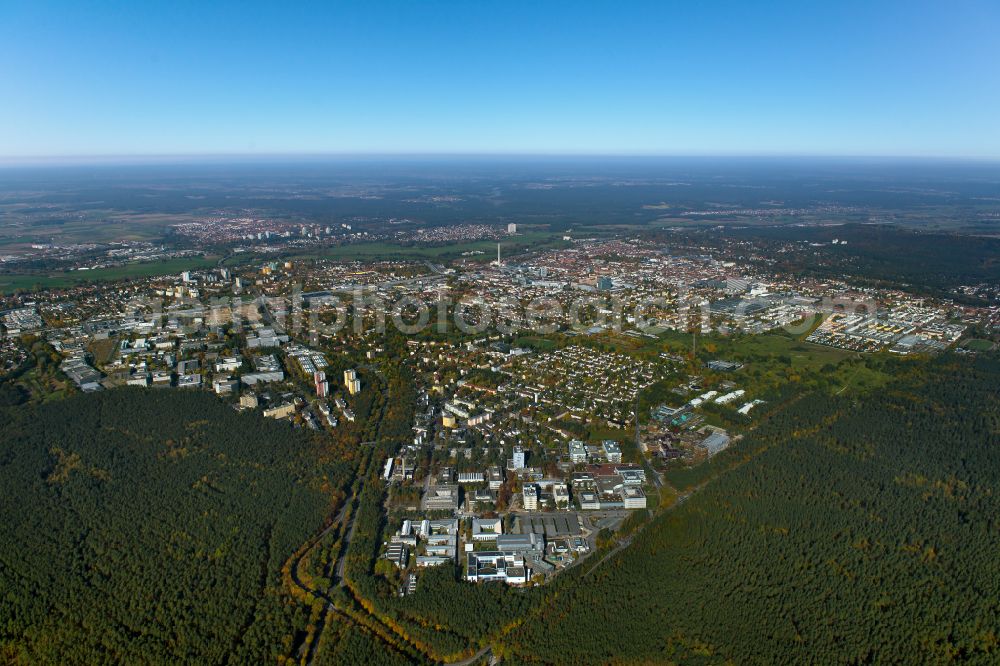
x: 344, y: 643
x: 882, y: 254
x: 151, y: 527
x: 861, y: 530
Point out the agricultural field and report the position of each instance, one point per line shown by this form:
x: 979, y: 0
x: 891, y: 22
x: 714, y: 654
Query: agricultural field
x: 23, y: 224
x: 10, y: 282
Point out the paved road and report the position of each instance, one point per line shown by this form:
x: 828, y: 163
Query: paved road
x: 342, y: 562
x: 338, y: 571
x: 338, y: 519
x: 330, y: 608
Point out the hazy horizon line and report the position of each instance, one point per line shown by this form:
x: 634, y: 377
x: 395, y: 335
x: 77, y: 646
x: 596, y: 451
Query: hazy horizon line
x: 208, y: 157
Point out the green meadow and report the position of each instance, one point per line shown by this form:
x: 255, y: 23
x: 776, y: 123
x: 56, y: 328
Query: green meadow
x: 62, y: 279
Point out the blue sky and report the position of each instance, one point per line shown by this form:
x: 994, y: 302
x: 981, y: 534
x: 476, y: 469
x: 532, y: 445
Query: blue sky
x: 701, y: 77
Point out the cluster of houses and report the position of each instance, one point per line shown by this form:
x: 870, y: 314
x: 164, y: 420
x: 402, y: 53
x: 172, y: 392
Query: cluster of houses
x: 585, y: 381
x: 904, y: 329
x: 22, y: 320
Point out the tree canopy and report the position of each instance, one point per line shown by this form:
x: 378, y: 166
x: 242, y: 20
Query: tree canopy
x: 861, y: 530
x: 151, y: 526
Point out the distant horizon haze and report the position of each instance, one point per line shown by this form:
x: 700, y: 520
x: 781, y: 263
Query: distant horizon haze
x: 250, y: 159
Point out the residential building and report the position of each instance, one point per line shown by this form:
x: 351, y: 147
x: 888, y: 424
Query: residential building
x: 519, y: 458
x: 352, y: 382
x: 494, y: 477
x: 224, y: 386
x: 189, y: 381
x: 589, y: 501
x: 633, y: 497
x: 320, y: 383
x: 560, y: 495
x: 530, y: 494
x: 612, y: 451
x: 281, y: 411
